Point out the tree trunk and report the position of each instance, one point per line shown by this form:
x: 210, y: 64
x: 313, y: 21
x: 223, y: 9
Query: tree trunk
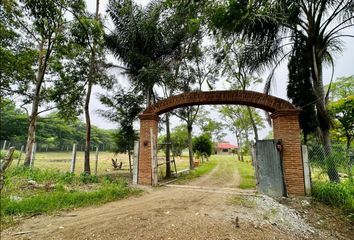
x: 88, y: 129
x: 238, y: 149
x: 35, y: 104
x: 190, y: 147
x: 168, y: 146
x: 91, y: 78
x: 255, y: 130
x: 323, y: 116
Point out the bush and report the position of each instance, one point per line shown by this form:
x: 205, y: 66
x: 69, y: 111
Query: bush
x: 202, y: 145
x: 336, y: 194
x: 3, y: 154
x: 69, y: 191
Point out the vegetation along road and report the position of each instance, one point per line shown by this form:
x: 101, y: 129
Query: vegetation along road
x: 209, y: 207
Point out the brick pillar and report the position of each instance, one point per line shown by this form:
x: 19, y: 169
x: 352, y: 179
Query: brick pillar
x: 286, y: 127
x: 147, y: 121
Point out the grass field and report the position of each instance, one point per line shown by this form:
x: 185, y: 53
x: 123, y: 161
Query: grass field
x: 62, y: 161
x: 245, y: 169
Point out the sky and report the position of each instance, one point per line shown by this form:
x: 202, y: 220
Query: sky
x: 344, y: 66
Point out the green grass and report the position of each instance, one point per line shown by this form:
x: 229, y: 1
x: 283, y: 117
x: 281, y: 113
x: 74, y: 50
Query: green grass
x: 340, y: 195
x: 197, y: 172
x: 62, y: 161
x: 229, y: 164
x: 242, y: 201
x: 56, y: 191
x: 246, y: 171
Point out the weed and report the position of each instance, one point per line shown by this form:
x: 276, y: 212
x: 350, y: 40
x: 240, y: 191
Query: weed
x: 340, y: 195
x: 242, y: 201
x: 20, y: 198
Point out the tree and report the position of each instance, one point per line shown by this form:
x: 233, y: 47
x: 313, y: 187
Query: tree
x: 146, y: 40
x: 196, y: 72
x: 239, y: 72
x: 341, y: 88
x: 238, y: 120
x: 269, y: 24
x: 44, y: 27
x: 299, y: 89
x: 13, y: 121
x: 95, y: 43
x: 15, y: 51
x: 124, y: 108
x: 211, y: 127
x: 179, y: 139
x: 203, y: 145
x: 343, y: 111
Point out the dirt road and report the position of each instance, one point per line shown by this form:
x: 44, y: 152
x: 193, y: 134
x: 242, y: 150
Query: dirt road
x: 211, y: 207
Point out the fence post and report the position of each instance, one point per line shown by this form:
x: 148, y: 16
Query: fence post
x: 135, y: 162
x: 307, y: 173
x: 4, y: 146
x: 19, y: 158
x: 34, y: 147
x: 5, y: 164
x: 73, y: 159
x: 96, y: 161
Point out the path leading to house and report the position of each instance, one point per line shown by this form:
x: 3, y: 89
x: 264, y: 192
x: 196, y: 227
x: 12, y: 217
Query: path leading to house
x: 211, y: 207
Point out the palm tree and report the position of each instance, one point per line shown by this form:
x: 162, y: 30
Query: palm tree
x: 271, y: 26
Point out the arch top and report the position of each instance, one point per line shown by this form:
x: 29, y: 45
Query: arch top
x: 249, y: 98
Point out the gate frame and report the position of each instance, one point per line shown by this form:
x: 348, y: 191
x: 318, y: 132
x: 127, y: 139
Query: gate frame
x: 285, y: 118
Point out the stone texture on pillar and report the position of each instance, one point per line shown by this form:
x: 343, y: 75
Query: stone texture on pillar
x: 286, y: 127
x: 147, y: 121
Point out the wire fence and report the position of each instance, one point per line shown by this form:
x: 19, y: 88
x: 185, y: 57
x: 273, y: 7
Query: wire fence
x: 61, y: 158
x: 57, y: 146
x: 336, y: 165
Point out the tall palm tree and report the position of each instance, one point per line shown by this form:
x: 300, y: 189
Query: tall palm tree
x: 272, y: 26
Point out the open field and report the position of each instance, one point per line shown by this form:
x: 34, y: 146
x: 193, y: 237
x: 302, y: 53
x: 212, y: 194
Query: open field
x: 62, y: 161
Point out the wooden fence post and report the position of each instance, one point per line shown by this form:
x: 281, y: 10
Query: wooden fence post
x: 73, y: 159
x: 19, y: 157
x: 96, y: 161
x: 34, y: 148
x: 6, y: 164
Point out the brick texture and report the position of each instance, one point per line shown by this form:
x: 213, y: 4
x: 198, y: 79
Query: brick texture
x: 249, y: 98
x: 285, y: 125
x: 147, y: 122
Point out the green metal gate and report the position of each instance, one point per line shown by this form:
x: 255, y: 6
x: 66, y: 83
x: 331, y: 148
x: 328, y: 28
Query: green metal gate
x: 269, y: 170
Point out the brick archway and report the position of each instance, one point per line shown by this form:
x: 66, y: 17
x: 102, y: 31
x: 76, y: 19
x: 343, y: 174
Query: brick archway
x: 285, y: 127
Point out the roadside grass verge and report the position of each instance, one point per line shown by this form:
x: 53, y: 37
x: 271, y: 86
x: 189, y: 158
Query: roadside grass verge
x: 203, y: 169
x: 339, y: 195
x: 246, y: 171
x: 29, y: 192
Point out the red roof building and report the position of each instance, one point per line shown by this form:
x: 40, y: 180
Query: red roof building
x: 224, y: 148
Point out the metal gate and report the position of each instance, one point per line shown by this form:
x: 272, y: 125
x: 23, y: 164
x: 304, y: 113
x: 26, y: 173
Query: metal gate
x: 269, y: 170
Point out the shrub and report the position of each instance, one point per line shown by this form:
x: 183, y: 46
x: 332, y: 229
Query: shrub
x: 203, y: 145
x: 336, y: 194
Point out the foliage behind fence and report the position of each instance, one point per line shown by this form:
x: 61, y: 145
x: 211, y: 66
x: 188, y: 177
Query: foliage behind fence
x: 325, y: 166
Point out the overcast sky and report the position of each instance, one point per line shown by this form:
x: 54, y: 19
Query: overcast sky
x: 344, y: 66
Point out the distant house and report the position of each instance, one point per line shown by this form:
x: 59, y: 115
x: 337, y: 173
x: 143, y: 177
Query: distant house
x: 225, y: 148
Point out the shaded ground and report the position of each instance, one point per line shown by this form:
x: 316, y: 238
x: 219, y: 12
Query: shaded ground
x: 211, y: 207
